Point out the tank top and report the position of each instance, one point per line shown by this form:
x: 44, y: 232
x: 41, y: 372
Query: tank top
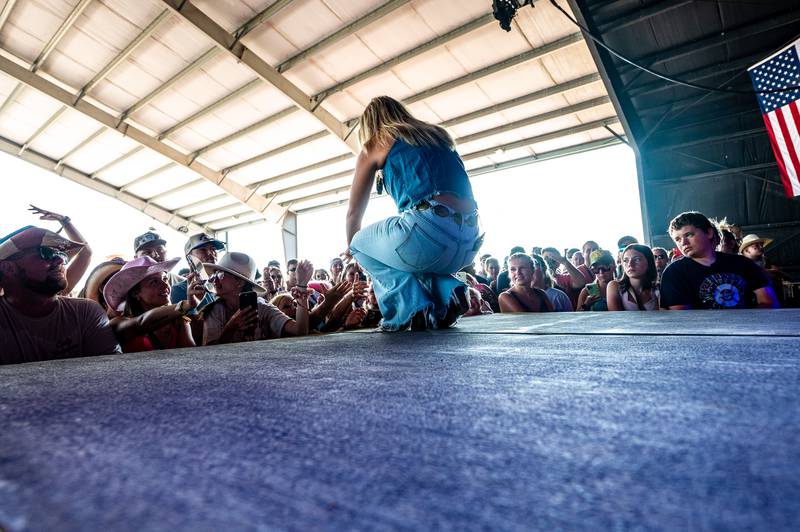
x: 542, y: 301
x: 629, y: 302
x: 415, y: 173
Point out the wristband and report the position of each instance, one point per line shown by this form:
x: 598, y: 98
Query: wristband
x: 180, y: 308
x: 65, y: 220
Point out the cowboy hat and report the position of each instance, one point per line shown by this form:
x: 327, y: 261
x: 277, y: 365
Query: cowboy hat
x: 749, y: 240
x: 134, y: 272
x: 98, y: 276
x: 239, y: 265
x: 30, y: 237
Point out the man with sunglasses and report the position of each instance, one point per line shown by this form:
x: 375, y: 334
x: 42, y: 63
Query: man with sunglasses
x: 35, y: 322
x: 706, y: 279
x: 199, y: 249
x: 661, y: 257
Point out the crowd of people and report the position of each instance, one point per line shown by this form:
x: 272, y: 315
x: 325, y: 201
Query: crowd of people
x: 418, y: 270
x: 223, y: 297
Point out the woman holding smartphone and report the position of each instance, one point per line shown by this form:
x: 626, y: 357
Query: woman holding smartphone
x: 233, y: 317
x: 412, y: 257
x: 593, y: 295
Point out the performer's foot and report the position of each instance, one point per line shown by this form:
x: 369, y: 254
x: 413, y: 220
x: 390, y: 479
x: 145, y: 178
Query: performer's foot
x: 459, y: 304
x: 419, y: 321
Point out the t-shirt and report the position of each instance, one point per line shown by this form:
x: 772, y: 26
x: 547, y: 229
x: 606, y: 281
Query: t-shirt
x: 730, y: 282
x: 503, y: 283
x: 75, y: 328
x: 178, y: 294
x: 270, y: 322
x: 560, y: 300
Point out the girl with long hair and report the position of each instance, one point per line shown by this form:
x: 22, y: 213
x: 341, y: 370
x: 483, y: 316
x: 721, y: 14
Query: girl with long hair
x: 412, y: 257
x: 636, y: 290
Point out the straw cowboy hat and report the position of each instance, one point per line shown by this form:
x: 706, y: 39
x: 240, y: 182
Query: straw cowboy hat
x: 134, y: 272
x: 239, y: 265
x: 100, y: 275
x: 749, y: 240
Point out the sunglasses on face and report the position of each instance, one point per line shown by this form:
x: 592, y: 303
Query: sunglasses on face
x: 601, y: 269
x: 662, y: 257
x: 216, y: 276
x: 45, y: 253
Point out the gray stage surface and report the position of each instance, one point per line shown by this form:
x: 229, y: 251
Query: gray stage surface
x: 573, y: 421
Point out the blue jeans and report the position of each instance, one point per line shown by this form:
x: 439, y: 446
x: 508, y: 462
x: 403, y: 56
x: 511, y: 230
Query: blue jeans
x: 411, y: 259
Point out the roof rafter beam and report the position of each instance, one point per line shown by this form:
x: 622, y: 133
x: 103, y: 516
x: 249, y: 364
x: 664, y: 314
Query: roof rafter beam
x: 48, y: 47
x: 467, y: 157
x: 281, y: 149
x: 163, y: 87
x: 147, y: 32
x: 474, y: 24
x: 532, y: 97
x: 196, y: 204
x: 228, y: 42
x: 287, y: 175
x: 716, y: 39
x: 360, y: 23
x: 257, y: 203
x: 124, y: 54
x: 167, y: 217
x: 641, y: 13
x: 246, y: 131
x: 524, y: 57
x: 147, y: 176
x: 257, y: 20
x: 6, y: 11
x: 543, y: 117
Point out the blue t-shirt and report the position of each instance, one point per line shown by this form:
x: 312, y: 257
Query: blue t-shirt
x: 415, y: 173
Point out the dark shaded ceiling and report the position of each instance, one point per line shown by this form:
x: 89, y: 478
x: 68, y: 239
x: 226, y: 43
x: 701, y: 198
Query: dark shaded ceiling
x: 696, y: 149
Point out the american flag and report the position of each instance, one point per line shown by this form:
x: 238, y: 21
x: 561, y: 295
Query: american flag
x: 780, y: 110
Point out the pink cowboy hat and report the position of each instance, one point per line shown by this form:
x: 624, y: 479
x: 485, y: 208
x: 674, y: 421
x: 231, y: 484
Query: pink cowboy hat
x: 117, y: 288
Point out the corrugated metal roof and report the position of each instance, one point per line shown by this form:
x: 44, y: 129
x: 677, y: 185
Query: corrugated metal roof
x: 217, y: 113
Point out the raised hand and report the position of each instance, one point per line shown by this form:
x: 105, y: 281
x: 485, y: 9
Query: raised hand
x: 47, y: 215
x: 195, y: 291
x: 304, y: 272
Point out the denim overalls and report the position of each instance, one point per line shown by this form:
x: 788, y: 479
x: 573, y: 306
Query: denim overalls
x: 412, y: 257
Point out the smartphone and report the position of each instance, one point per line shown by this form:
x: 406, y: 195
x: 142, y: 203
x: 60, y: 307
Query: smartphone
x: 593, y: 289
x: 248, y: 299
x: 195, y: 266
x: 362, y: 276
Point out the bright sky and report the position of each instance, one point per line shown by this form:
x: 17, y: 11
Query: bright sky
x: 560, y: 202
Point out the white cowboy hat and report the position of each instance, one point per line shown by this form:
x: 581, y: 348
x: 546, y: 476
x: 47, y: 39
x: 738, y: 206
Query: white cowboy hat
x: 239, y: 265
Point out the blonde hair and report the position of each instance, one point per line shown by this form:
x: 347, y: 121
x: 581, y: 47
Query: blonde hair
x: 386, y: 119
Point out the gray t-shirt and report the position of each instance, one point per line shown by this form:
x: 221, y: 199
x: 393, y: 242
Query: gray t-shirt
x: 75, y: 328
x: 270, y: 322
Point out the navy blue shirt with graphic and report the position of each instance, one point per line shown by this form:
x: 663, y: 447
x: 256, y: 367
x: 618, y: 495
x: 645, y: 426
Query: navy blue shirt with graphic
x: 730, y: 282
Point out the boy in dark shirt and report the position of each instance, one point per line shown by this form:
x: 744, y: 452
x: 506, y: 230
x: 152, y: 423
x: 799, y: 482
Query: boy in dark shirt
x: 706, y: 279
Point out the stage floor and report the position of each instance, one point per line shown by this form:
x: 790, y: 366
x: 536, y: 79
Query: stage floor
x: 671, y: 420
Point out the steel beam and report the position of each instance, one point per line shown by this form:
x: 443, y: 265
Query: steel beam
x: 214, y: 211
x: 360, y: 23
x: 59, y: 34
x: 256, y: 21
x: 234, y: 47
x: 48, y: 47
x: 287, y: 175
x: 532, y: 97
x: 705, y: 141
x: 203, y: 201
x: 117, y: 161
x: 124, y: 54
x: 169, y: 218
x: 474, y: 155
x: 640, y: 14
x: 246, y: 131
x: 536, y: 119
x: 55, y: 116
x: 147, y: 176
x: 716, y: 39
x: 229, y: 216
x: 85, y: 142
x: 597, y: 124
x: 189, y: 69
x: 257, y: 203
x: 244, y: 89
x: 474, y: 24
x: 276, y: 151
x: 715, y: 173
x: 6, y: 11
x: 524, y: 57
x: 310, y: 184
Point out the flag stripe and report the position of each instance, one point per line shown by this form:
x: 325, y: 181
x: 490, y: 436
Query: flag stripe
x: 787, y: 184
x: 787, y: 148
x: 793, y: 116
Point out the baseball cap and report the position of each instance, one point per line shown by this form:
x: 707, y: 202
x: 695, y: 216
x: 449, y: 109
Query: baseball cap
x: 149, y: 237
x: 201, y: 239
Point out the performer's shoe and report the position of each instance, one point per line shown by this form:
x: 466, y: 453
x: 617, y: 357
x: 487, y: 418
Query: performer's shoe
x: 419, y: 321
x: 459, y: 304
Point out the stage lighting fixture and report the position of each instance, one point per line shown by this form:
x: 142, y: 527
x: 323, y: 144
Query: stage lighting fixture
x: 504, y: 10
